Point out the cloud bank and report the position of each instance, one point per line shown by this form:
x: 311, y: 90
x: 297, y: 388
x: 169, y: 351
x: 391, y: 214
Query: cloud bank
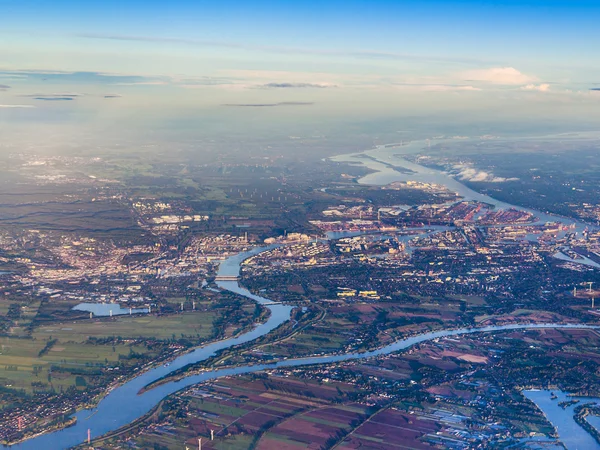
x: 544, y: 87
x: 499, y: 75
x: 437, y: 87
x: 59, y: 95
x: 260, y: 105
x: 468, y: 173
x: 295, y: 86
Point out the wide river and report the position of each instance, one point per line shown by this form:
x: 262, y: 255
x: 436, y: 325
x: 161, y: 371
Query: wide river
x: 123, y: 404
x: 573, y: 436
x: 384, y: 160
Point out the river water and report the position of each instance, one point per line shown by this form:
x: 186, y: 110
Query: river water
x: 108, y: 309
x: 381, y: 157
x: 582, y: 260
x: 123, y: 405
x: 569, y: 432
x: 385, y: 161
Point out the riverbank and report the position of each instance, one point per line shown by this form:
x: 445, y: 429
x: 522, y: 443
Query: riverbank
x: 571, y: 433
x: 164, y: 359
x: 124, y: 405
x: 106, y: 437
x: 390, y: 167
x: 113, y: 413
x: 223, y: 355
x: 172, y: 361
x: 56, y: 427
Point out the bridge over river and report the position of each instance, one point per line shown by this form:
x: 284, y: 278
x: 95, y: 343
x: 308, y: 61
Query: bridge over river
x: 123, y: 405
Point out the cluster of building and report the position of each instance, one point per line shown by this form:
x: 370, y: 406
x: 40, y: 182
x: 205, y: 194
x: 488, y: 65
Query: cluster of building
x: 589, y: 211
x: 60, y: 169
x: 366, y: 218
x: 367, y: 244
x: 68, y: 266
x: 353, y: 293
x: 288, y: 238
x: 173, y: 219
x: 503, y: 216
x: 289, y: 256
x: 430, y: 188
x: 356, y: 211
x: 163, y: 217
x: 353, y: 225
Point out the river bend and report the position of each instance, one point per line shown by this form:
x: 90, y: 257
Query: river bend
x: 123, y: 404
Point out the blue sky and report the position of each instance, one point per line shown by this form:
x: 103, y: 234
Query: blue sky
x: 326, y: 51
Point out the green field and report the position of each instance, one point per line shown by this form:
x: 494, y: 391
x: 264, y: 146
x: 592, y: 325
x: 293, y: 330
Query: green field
x: 54, y: 355
x: 21, y: 363
x: 160, y: 327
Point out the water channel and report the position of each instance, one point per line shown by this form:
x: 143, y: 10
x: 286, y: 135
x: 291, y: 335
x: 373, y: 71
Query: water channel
x: 569, y: 432
x: 388, y: 162
x: 109, y: 309
x: 389, y: 165
x: 123, y: 404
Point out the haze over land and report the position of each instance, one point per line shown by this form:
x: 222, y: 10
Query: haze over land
x: 270, y: 69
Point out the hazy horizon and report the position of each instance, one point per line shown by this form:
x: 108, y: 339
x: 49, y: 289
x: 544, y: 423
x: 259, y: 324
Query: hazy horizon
x: 158, y: 65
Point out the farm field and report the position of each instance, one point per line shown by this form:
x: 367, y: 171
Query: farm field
x: 361, y: 326
x: 391, y: 429
x: 90, y: 352
x: 37, y: 365
x: 254, y: 412
x: 141, y: 326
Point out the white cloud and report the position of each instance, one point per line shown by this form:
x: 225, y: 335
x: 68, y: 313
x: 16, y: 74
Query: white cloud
x: 54, y: 94
x: 287, y: 85
x: 468, y: 173
x: 447, y: 88
x: 143, y: 83
x: 499, y: 75
x: 544, y: 87
x: 281, y: 76
x: 17, y: 106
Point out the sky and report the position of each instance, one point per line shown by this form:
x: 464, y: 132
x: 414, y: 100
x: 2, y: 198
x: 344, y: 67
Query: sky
x: 327, y: 57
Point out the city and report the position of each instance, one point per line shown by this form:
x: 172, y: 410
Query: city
x: 258, y: 225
